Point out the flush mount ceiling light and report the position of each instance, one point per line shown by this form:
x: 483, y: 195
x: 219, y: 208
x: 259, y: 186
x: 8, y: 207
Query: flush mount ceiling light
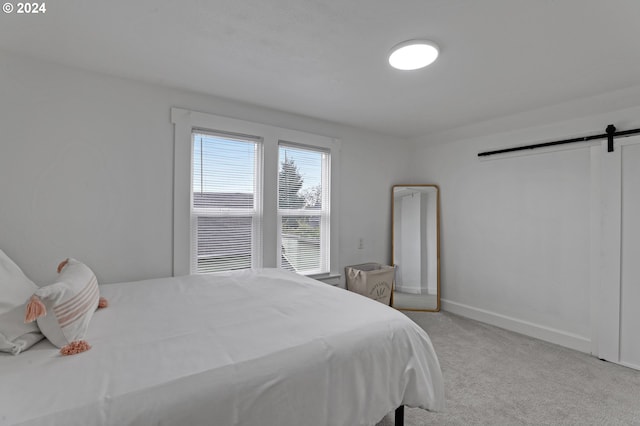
x: 413, y: 54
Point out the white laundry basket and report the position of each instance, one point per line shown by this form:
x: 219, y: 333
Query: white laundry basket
x: 372, y: 280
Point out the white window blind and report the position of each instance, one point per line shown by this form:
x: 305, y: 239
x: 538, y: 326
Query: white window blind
x: 226, y: 216
x: 303, y: 209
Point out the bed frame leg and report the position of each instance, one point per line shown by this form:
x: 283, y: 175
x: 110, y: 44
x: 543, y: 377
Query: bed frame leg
x: 400, y: 416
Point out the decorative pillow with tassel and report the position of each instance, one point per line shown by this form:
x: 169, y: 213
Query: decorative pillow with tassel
x: 64, y: 309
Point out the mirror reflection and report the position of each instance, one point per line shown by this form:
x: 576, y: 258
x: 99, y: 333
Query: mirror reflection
x: 416, y: 247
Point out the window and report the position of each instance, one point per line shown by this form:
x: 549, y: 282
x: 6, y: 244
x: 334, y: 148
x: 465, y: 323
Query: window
x: 303, y: 209
x: 253, y: 195
x: 226, y: 215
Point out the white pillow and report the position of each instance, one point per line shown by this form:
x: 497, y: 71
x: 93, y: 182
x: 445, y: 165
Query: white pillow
x: 65, y: 308
x: 15, y: 290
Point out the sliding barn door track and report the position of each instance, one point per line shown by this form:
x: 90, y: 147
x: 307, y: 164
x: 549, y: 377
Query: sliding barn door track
x: 609, y: 135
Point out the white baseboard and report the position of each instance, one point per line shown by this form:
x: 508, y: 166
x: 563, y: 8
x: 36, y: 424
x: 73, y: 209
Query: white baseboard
x: 626, y: 364
x: 552, y: 335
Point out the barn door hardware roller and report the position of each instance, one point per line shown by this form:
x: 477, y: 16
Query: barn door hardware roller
x: 611, y: 131
x: 610, y: 134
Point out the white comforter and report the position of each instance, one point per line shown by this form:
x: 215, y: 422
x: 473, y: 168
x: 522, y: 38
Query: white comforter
x: 265, y: 347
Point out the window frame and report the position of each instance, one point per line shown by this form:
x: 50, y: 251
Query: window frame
x: 324, y: 213
x: 185, y: 122
x: 254, y: 212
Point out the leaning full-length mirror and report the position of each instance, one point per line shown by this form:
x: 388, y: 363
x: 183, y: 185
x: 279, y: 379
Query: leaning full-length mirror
x: 416, y: 247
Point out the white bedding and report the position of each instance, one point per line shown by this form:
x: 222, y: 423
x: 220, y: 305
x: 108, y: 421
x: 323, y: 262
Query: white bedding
x: 263, y: 347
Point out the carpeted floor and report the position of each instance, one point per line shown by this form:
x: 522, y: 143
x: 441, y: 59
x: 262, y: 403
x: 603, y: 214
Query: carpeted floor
x: 496, y: 377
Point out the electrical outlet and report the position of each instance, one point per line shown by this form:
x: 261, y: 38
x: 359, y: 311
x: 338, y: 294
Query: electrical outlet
x: 361, y: 243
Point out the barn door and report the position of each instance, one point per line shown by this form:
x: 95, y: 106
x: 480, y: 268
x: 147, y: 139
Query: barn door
x: 619, y: 307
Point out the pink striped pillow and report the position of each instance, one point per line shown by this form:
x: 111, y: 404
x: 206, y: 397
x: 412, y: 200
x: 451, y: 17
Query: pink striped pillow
x: 69, y: 304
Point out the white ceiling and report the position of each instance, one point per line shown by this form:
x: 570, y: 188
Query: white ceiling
x: 328, y: 58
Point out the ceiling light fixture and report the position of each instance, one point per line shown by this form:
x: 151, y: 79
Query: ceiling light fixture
x: 413, y: 54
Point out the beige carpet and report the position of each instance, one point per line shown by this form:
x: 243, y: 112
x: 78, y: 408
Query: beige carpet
x: 496, y: 377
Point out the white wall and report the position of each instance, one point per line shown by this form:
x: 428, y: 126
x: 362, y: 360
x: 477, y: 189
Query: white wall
x: 517, y: 230
x: 86, y: 170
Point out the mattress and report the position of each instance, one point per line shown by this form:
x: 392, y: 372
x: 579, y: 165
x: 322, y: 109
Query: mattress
x: 255, y: 347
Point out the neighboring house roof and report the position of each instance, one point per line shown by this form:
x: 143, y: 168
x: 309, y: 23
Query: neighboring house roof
x: 223, y: 199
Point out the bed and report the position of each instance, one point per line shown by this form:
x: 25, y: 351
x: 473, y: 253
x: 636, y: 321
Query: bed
x: 255, y: 347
